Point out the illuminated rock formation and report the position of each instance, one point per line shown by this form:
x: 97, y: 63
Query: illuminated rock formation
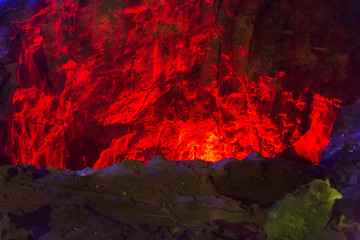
x: 101, y: 81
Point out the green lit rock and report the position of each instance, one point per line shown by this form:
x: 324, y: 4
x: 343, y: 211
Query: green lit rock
x: 302, y: 214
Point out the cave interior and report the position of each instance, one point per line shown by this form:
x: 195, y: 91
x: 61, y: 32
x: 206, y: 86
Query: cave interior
x: 180, y: 119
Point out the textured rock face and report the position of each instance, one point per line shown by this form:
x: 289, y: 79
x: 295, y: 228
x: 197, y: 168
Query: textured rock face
x: 164, y: 199
x: 341, y: 158
x: 100, y: 81
x: 343, y: 150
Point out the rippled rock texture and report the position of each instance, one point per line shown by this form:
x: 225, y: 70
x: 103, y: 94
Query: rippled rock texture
x: 90, y: 83
x: 166, y: 199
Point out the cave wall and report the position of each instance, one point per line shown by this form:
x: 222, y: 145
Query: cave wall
x: 90, y: 83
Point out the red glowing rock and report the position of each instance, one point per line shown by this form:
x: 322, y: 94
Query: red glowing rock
x: 102, y: 81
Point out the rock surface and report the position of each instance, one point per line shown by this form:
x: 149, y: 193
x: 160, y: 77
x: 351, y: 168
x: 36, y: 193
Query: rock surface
x: 90, y: 83
x: 162, y: 200
x: 344, y: 147
x: 93, y: 83
x: 341, y: 158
